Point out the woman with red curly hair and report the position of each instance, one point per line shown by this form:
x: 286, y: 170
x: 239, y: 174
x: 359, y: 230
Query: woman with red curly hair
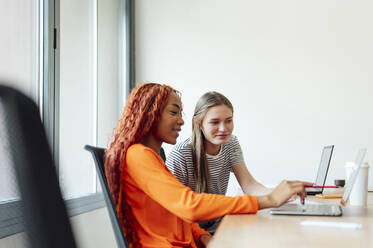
x: 154, y: 208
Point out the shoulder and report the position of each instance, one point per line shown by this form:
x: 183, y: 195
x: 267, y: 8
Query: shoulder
x: 232, y: 146
x: 138, y: 153
x: 137, y: 149
x: 184, y: 147
x: 180, y: 154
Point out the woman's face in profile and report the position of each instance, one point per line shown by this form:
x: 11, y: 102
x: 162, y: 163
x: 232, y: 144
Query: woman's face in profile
x: 217, y: 125
x: 171, y: 120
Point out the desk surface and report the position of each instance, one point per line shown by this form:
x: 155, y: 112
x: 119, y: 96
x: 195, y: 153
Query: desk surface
x: 266, y: 230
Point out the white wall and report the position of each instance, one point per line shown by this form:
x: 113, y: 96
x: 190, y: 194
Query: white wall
x: 299, y: 74
x: 91, y: 230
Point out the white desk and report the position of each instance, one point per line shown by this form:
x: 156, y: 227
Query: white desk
x: 266, y: 230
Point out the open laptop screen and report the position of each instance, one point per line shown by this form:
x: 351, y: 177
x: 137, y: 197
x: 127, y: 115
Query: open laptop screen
x: 324, y: 165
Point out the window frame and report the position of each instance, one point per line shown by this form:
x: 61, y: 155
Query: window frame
x: 11, y: 219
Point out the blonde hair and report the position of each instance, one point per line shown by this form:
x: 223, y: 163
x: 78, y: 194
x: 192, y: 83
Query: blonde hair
x: 201, y: 168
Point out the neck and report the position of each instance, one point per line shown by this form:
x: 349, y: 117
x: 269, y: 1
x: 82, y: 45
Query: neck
x: 152, y: 142
x: 211, y: 148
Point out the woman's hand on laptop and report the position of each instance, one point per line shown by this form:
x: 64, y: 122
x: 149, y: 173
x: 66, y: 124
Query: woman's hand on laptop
x: 282, y: 193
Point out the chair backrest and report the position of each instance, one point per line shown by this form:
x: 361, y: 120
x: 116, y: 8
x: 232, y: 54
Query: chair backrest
x: 98, y: 157
x: 46, y: 220
x: 162, y: 154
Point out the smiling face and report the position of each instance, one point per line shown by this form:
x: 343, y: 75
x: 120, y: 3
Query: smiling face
x: 217, y: 125
x: 171, y: 120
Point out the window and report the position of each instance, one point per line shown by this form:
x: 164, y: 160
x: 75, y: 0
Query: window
x: 18, y: 65
x: 19, y: 68
x: 77, y: 96
x: 81, y: 74
x: 89, y: 88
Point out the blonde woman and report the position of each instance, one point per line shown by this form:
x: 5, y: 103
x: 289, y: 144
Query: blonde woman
x: 204, y: 161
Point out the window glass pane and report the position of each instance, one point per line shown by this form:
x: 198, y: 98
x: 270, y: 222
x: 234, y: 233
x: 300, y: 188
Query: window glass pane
x: 19, y: 45
x: 18, y: 68
x: 110, y: 69
x: 8, y: 183
x: 77, y: 103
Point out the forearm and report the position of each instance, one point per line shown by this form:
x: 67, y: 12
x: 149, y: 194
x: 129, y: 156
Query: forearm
x: 256, y: 188
x: 282, y: 193
x: 248, y: 183
x: 265, y: 202
x: 202, y: 207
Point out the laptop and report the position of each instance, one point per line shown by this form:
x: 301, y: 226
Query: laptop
x: 322, y: 172
x: 323, y: 209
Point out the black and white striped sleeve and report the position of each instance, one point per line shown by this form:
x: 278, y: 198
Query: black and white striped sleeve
x: 236, y: 155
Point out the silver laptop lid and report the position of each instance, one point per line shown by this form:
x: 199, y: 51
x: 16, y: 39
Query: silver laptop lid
x: 350, y: 183
x: 322, y: 172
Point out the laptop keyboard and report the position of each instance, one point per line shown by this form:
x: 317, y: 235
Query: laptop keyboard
x: 315, y: 208
x: 309, y: 209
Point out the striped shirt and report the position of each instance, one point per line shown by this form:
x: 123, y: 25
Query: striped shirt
x: 180, y: 163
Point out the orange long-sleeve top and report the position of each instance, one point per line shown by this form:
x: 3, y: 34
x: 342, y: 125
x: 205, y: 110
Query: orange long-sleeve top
x: 165, y: 210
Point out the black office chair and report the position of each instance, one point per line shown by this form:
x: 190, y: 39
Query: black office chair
x: 46, y: 220
x: 98, y: 157
x: 162, y: 154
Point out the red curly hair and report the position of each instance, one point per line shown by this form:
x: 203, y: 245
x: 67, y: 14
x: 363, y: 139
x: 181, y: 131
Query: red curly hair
x: 141, y: 114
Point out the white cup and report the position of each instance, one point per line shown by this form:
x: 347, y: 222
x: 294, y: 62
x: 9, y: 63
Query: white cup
x: 349, y: 167
x: 359, y: 192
